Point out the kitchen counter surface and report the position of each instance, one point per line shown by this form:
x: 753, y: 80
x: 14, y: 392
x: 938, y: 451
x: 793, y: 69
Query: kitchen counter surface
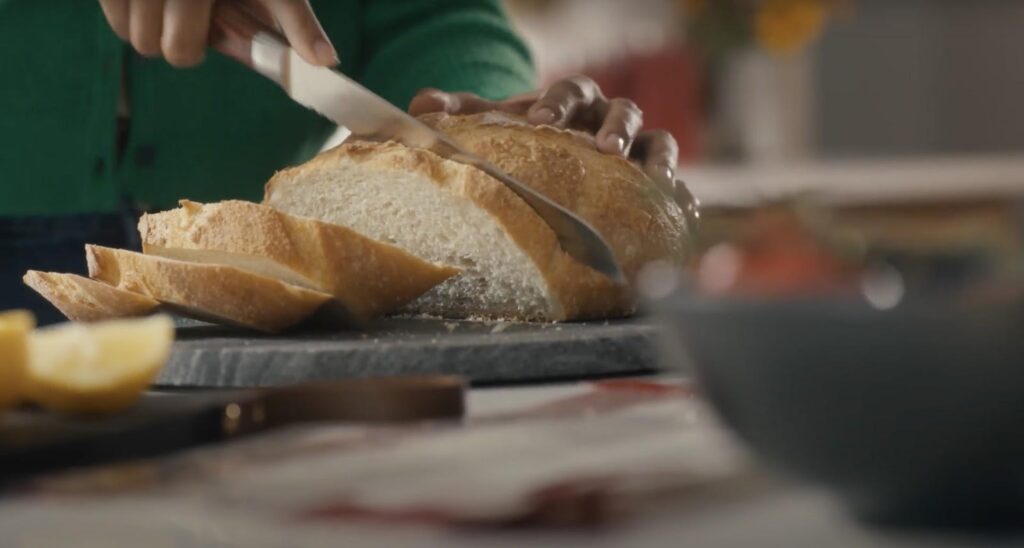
x: 764, y: 513
x: 860, y: 181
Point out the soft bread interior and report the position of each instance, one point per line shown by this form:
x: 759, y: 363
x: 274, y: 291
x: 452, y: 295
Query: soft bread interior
x: 414, y: 213
x: 249, y: 263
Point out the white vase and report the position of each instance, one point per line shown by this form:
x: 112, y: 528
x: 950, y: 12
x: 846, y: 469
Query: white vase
x: 767, y: 106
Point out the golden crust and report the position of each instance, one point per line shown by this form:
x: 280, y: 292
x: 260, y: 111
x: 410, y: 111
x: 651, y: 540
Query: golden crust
x: 640, y: 222
x: 207, y: 291
x: 85, y: 300
x: 370, y: 278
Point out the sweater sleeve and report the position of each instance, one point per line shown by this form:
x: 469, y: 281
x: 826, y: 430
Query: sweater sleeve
x: 453, y: 45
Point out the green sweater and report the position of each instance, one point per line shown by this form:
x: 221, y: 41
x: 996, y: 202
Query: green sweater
x: 217, y: 131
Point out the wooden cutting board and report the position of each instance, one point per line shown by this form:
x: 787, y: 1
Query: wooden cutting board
x: 482, y: 352
x: 34, y: 441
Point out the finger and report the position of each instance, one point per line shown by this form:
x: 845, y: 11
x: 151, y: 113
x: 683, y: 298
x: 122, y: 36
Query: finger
x: 530, y: 97
x: 620, y: 127
x: 433, y: 100
x: 454, y: 103
x: 559, y: 105
x: 186, y: 29
x: 658, y: 153
x: 428, y: 100
x: 303, y: 30
x: 520, y: 104
x: 146, y: 20
x: 116, y: 12
x: 689, y: 204
x: 257, y: 9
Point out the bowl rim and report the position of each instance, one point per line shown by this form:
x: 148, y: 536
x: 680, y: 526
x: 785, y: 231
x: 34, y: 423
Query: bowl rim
x: 684, y: 299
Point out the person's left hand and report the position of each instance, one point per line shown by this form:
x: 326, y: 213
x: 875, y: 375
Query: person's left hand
x: 577, y: 102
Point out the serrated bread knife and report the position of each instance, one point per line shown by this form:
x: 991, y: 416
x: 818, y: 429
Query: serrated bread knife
x: 245, y: 38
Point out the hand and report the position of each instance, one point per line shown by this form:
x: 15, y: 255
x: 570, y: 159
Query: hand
x: 577, y: 103
x: 179, y: 30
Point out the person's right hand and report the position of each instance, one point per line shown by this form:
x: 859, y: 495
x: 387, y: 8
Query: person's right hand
x: 178, y: 30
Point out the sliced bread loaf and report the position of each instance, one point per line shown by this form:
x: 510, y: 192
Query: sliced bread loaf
x: 444, y: 211
x: 368, y: 277
x: 222, y: 294
x: 85, y: 300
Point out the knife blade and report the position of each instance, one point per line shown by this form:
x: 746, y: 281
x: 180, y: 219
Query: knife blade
x: 247, y: 39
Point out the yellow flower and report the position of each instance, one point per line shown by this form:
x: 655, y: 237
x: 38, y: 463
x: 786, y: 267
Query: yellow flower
x: 785, y: 26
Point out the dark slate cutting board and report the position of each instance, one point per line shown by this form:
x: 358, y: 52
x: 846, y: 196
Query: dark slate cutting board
x: 483, y: 352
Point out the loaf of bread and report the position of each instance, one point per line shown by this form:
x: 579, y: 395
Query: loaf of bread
x: 368, y: 277
x: 85, y: 300
x: 211, y: 292
x: 443, y: 211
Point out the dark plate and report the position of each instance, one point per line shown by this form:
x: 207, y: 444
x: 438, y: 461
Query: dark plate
x: 913, y: 415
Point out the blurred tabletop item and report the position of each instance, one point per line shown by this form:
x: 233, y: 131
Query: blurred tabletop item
x: 948, y: 225
x: 612, y: 463
x: 575, y: 457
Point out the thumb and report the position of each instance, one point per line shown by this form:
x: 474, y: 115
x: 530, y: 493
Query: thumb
x: 430, y: 100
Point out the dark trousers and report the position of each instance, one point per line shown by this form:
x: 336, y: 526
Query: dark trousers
x: 54, y: 244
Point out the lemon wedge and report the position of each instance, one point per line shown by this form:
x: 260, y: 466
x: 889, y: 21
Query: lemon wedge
x: 15, y: 327
x: 94, y: 368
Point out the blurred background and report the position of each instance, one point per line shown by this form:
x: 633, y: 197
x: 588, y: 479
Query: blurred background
x: 742, y: 82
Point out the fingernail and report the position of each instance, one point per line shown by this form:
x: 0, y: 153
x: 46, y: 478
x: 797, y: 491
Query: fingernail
x: 544, y: 115
x: 616, y: 143
x: 664, y: 176
x: 668, y: 173
x: 325, y: 53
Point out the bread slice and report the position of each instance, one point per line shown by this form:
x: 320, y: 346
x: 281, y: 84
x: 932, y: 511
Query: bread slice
x: 222, y: 294
x: 370, y: 278
x: 85, y: 300
x: 444, y: 211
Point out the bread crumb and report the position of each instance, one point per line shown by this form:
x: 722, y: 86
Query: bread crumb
x: 417, y: 316
x: 501, y: 326
x: 450, y: 326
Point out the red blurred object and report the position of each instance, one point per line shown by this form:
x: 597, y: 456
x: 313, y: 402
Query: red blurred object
x: 654, y: 388
x: 668, y: 86
x: 775, y: 256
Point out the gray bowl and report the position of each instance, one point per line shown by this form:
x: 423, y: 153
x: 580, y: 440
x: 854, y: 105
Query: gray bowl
x: 913, y: 415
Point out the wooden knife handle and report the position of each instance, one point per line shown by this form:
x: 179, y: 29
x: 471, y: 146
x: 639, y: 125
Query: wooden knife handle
x: 233, y: 29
